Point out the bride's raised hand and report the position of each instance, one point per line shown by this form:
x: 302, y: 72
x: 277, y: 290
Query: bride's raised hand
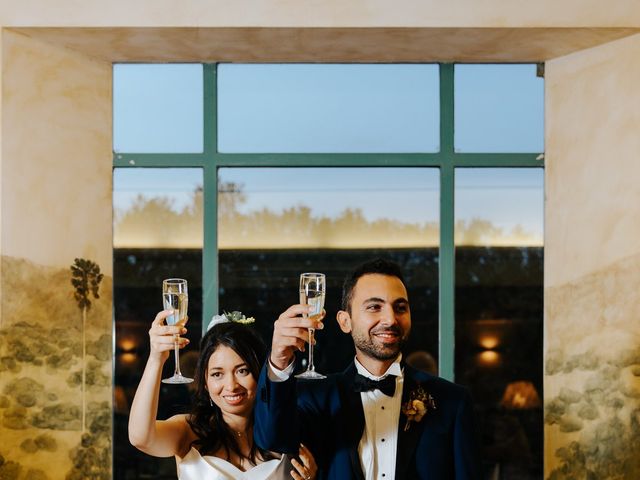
x: 305, y: 468
x: 161, y: 336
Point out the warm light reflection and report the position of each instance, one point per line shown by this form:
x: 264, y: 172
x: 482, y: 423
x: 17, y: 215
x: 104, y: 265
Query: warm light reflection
x: 489, y: 358
x: 489, y: 342
x: 120, y: 402
x: 127, y: 345
x: 520, y: 395
x: 128, y: 358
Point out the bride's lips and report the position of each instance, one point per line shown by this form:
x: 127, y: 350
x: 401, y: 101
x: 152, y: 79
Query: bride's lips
x: 235, y: 398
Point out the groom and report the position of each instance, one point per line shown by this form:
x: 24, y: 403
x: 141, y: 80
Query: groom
x: 380, y: 418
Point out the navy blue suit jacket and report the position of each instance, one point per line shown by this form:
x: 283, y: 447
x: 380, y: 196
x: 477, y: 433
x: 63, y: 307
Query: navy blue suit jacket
x: 327, y: 416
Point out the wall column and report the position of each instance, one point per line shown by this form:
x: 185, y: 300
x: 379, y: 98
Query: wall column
x: 592, y: 263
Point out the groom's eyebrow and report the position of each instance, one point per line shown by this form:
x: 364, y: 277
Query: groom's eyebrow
x: 397, y: 301
x: 374, y: 300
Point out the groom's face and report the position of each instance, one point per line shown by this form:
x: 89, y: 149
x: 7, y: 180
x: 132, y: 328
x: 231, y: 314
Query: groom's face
x: 380, y: 319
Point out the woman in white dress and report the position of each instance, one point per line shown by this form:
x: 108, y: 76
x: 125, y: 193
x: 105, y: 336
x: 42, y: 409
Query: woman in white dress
x: 215, y: 441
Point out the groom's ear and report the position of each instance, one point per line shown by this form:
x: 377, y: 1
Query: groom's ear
x: 344, y: 320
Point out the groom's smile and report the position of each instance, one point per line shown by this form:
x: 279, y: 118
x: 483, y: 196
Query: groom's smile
x: 388, y: 336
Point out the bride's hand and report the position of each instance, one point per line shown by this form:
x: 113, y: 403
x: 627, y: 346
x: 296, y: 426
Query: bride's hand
x: 161, y: 336
x: 306, y: 468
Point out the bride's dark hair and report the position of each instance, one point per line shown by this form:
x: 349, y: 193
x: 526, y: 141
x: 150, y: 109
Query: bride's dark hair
x: 206, y: 419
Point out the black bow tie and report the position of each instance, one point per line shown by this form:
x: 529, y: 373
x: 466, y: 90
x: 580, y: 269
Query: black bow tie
x: 363, y: 384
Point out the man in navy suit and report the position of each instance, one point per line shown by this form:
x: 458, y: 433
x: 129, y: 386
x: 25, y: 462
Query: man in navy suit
x: 380, y: 418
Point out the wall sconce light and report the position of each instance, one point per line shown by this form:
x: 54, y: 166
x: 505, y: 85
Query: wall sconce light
x: 521, y: 395
x: 489, y: 342
x: 489, y: 358
x: 127, y: 345
x: 127, y: 351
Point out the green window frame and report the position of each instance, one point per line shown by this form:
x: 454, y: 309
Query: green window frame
x: 447, y: 160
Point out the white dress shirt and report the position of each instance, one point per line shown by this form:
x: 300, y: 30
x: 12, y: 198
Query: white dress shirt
x: 379, y: 443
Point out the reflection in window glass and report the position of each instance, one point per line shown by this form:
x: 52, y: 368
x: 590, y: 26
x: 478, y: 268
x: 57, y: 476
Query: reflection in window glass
x: 158, y: 108
x: 483, y: 218
x: 275, y: 223
x: 152, y: 208
x: 157, y: 208
x: 498, y: 108
x: 318, y: 108
x: 499, y: 311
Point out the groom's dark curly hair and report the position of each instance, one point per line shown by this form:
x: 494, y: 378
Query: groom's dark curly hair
x: 380, y: 266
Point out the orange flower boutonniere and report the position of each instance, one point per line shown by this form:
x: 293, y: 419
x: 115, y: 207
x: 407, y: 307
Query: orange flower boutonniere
x: 419, y: 403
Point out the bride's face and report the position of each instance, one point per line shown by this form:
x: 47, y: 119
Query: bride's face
x: 230, y: 383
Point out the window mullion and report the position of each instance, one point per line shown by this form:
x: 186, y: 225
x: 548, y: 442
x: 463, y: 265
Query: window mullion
x: 210, y: 199
x: 447, y: 248
x: 158, y: 160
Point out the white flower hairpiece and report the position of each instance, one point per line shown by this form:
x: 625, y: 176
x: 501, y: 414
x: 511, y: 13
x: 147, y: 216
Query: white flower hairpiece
x: 235, y: 316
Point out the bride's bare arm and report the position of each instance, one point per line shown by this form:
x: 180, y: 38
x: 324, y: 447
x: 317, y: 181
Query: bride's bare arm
x: 156, y: 437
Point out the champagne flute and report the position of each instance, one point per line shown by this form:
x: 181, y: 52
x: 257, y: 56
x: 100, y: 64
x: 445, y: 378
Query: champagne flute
x: 175, y: 297
x: 312, y: 291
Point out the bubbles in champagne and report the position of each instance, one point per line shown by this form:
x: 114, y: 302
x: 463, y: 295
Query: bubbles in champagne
x: 315, y: 299
x: 177, y: 302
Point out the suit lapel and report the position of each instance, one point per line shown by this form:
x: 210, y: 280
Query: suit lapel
x: 407, y: 440
x: 354, y: 420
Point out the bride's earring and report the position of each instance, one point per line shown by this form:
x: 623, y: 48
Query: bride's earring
x: 210, y: 401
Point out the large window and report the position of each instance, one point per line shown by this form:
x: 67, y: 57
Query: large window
x: 240, y: 177
x: 274, y: 223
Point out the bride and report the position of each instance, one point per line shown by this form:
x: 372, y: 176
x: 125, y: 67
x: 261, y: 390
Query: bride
x: 214, y: 441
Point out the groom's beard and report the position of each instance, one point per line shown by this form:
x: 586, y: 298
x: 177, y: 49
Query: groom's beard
x: 375, y: 348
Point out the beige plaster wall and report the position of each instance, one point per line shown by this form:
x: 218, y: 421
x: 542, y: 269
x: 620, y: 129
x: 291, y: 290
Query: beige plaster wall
x: 1, y: 102
x: 592, y: 159
x: 592, y: 263
x: 56, y: 154
x: 320, y: 13
x: 55, y: 401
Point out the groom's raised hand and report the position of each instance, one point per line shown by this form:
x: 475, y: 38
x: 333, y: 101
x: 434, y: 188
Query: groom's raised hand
x: 291, y: 333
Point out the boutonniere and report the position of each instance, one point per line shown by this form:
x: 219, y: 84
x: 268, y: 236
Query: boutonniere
x: 419, y: 403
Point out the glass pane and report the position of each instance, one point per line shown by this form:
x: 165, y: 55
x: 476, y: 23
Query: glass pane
x: 275, y: 223
x: 157, y: 208
x: 499, y: 313
x: 153, y: 209
x: 498, y: 108
x: 158, y: 108
x: 328, y: 108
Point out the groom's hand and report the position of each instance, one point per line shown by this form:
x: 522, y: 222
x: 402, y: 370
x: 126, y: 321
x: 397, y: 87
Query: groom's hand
x: 290, y: 333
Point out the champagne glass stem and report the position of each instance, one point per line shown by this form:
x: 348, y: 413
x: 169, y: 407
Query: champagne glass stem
x: 311, y: 367
x: 176, y: 349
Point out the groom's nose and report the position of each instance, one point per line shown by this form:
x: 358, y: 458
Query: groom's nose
x: 388, y: 315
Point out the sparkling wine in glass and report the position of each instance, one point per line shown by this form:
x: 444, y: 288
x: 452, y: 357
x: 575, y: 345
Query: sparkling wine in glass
x: 312, y: 292
x: 175, y: 297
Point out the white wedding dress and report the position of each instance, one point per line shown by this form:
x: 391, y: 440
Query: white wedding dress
x: 197, y: 467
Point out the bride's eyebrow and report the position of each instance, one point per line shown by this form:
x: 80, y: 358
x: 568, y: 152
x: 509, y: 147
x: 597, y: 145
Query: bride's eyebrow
x: 243, y: 364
